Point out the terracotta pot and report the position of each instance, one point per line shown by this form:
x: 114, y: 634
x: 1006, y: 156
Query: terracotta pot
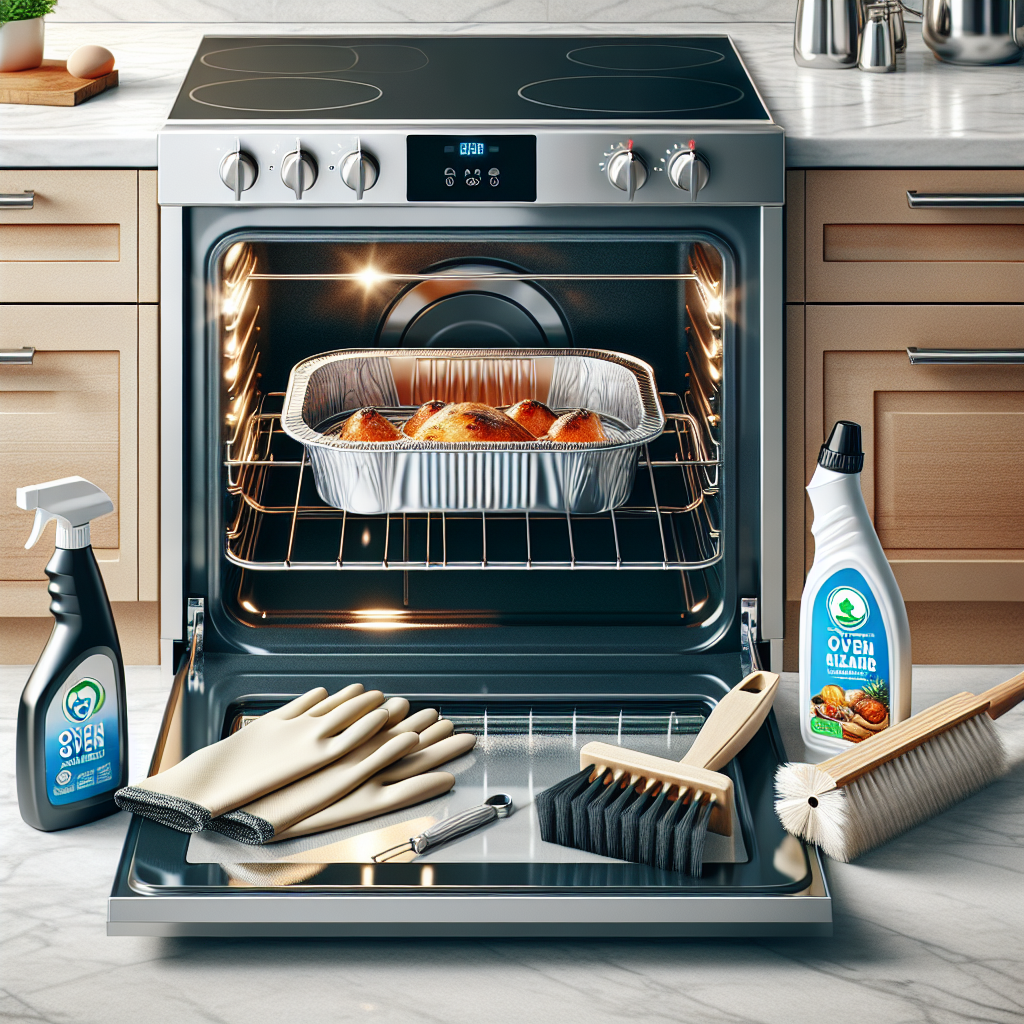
x: 21, y: 44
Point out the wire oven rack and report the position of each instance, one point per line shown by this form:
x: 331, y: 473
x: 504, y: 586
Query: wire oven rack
x: 279, y: 523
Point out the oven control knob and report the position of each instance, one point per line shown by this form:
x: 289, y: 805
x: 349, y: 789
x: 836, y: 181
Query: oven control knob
x: 359, y: 170
x: 627, y: 171
x: 689, y: 171
x: 298, y: 171
x: 239, y: 172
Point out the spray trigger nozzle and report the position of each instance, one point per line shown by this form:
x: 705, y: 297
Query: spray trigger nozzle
x: 42, y: 518
x: 73, y: 501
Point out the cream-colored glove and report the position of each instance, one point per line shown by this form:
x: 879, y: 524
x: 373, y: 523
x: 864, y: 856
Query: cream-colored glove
x: 406, y: 782
x: 276, y: 749
x: 263, y: 819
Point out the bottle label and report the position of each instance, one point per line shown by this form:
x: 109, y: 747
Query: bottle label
x: 82, y: 746
x: 849, y: 660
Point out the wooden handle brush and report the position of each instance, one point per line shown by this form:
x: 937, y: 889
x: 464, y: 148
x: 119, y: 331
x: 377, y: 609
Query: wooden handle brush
x: 638, y: 807
x: 902, y: 776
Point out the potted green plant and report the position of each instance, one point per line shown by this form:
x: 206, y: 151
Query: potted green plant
x: 21, y: 33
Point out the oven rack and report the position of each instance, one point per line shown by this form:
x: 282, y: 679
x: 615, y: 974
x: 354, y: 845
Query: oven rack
x: 279, y: 523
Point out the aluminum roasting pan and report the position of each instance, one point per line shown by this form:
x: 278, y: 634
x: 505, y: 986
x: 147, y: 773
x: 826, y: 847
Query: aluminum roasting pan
x: 430, y: 476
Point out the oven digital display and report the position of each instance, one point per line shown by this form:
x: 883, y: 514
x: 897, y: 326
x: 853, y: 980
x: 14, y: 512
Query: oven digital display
x: 481, y: 169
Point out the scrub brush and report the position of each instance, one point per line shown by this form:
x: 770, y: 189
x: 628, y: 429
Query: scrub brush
x: 883, y: 786
x: 637, y: 807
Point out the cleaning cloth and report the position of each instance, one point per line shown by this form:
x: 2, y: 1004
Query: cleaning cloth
x: 271, y: 815
x: 276, y: 749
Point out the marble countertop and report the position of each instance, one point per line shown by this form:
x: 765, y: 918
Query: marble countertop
x: 927, y: 929
x: 927, y: 115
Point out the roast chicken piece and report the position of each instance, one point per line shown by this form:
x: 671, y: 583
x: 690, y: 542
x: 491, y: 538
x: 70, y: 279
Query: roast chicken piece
x: 578, y: 426
x: 534, y: 415
x: 421, y: 415
x: 471, y: 421
x: 365, y: 425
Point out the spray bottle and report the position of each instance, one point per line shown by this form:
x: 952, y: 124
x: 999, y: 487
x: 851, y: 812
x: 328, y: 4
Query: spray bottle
x: 855, y: 662
x: 72, y: 727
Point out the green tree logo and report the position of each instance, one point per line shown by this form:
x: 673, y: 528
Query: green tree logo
x: 847, y: 608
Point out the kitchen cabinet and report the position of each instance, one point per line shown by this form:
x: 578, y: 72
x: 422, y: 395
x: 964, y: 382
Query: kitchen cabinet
x: 79, y: 284
x: 944, y: 444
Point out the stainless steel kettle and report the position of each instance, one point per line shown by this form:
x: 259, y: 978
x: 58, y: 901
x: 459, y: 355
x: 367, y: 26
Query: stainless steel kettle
x: 827, y: 33
x: 974, y: 31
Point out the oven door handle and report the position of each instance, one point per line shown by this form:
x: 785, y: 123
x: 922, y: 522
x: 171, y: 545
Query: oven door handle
x: 966, y: 200
x: 966, y: 356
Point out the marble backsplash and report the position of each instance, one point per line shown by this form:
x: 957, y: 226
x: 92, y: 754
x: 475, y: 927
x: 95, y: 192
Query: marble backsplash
x: 556, y: 11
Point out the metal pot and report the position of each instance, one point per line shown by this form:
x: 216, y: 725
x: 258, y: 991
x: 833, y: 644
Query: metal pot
x: 973, y: 31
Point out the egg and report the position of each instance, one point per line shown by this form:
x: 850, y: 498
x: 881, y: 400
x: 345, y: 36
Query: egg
x: 91, y: 61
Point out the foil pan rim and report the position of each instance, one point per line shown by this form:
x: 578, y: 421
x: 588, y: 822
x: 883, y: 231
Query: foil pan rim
x: 651, y: 425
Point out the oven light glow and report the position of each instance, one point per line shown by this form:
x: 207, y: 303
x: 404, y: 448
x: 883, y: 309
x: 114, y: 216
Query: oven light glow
x: 250, y: 607
x: 366, y: 875
x: 716, y: 374
x: 369, y: 277
x: 231, y: 256
x: 229, y: 307
x: 427, y: 874
x: 713, y: 306
x: 366, y: 537
x: 231, y: 373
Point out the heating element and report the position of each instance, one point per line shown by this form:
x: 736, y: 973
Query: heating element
x: 471, y: 210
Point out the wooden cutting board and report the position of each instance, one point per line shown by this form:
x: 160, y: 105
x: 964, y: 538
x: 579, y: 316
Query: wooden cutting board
x: 50, y: 85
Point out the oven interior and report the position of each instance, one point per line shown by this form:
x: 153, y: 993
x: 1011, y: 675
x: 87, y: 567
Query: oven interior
x: 288, y: 560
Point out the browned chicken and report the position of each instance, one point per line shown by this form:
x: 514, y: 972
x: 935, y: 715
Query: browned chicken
x: 365, y: 425
x: 471, y: 421
x: 421, y: 415
x: 534, y: 415
x: 580, y: 426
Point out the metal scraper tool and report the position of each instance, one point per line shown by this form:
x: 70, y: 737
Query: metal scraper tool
x: 497, y: 806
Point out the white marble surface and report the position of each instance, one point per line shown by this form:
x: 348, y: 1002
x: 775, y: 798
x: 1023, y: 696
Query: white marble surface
x: 426, y: 10
x: 927, y: 115
x: 927, y: 929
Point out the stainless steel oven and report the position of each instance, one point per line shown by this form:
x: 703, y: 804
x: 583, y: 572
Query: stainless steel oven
x: 635, y: 210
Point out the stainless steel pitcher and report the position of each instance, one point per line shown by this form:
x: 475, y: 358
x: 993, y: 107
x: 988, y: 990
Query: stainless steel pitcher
x: 877, y: 43
x: 827, y: 33
x: 973, y: 31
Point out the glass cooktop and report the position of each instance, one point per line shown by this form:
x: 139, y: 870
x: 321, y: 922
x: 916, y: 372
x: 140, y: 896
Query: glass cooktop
x: 467, y: 79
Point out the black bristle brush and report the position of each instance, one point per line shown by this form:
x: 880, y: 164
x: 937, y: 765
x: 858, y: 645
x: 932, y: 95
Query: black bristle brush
x: 650, y: 810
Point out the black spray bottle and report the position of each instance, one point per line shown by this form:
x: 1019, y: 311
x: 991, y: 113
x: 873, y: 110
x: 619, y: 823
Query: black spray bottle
x: 72, y: 727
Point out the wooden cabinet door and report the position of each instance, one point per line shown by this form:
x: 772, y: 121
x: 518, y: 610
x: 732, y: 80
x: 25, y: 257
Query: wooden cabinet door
x: 72, y: 412
x: 944, y: 445
x: 78, y: 243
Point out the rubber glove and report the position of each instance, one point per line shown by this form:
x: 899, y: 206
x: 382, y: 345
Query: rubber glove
x: 276, y: 749
x: 406, y: 782
x: 263, y: 819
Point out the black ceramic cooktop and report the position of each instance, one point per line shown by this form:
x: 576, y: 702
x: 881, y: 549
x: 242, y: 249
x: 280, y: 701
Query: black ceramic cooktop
x: 467, y: 79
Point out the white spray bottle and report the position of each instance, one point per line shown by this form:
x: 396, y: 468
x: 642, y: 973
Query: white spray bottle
x: 855, y: 659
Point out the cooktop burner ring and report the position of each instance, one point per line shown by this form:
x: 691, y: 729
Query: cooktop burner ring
x: 626, y: 83
x: 591, y: 57
x: 250, y: 83
x: 329, y: 55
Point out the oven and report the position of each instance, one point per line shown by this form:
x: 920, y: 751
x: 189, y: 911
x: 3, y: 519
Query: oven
x: 537, y: 628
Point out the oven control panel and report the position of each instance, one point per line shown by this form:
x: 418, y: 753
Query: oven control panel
x: 382, y: 166
x: 471, y: 168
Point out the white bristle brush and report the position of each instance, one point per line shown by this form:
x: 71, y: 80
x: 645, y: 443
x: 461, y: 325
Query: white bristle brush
x: 881, y: 787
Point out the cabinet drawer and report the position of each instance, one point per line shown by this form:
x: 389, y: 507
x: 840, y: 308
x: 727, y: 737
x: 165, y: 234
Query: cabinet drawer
x: 73, y: 411
x: 944, y: 444
x: 78, y: 243
x: 863, y: 242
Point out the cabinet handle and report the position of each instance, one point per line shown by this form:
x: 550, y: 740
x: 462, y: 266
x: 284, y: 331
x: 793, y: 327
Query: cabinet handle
x: 970, y: 200
x: 967, y: 356
x: 18, y: 200
x: 17, y: 356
